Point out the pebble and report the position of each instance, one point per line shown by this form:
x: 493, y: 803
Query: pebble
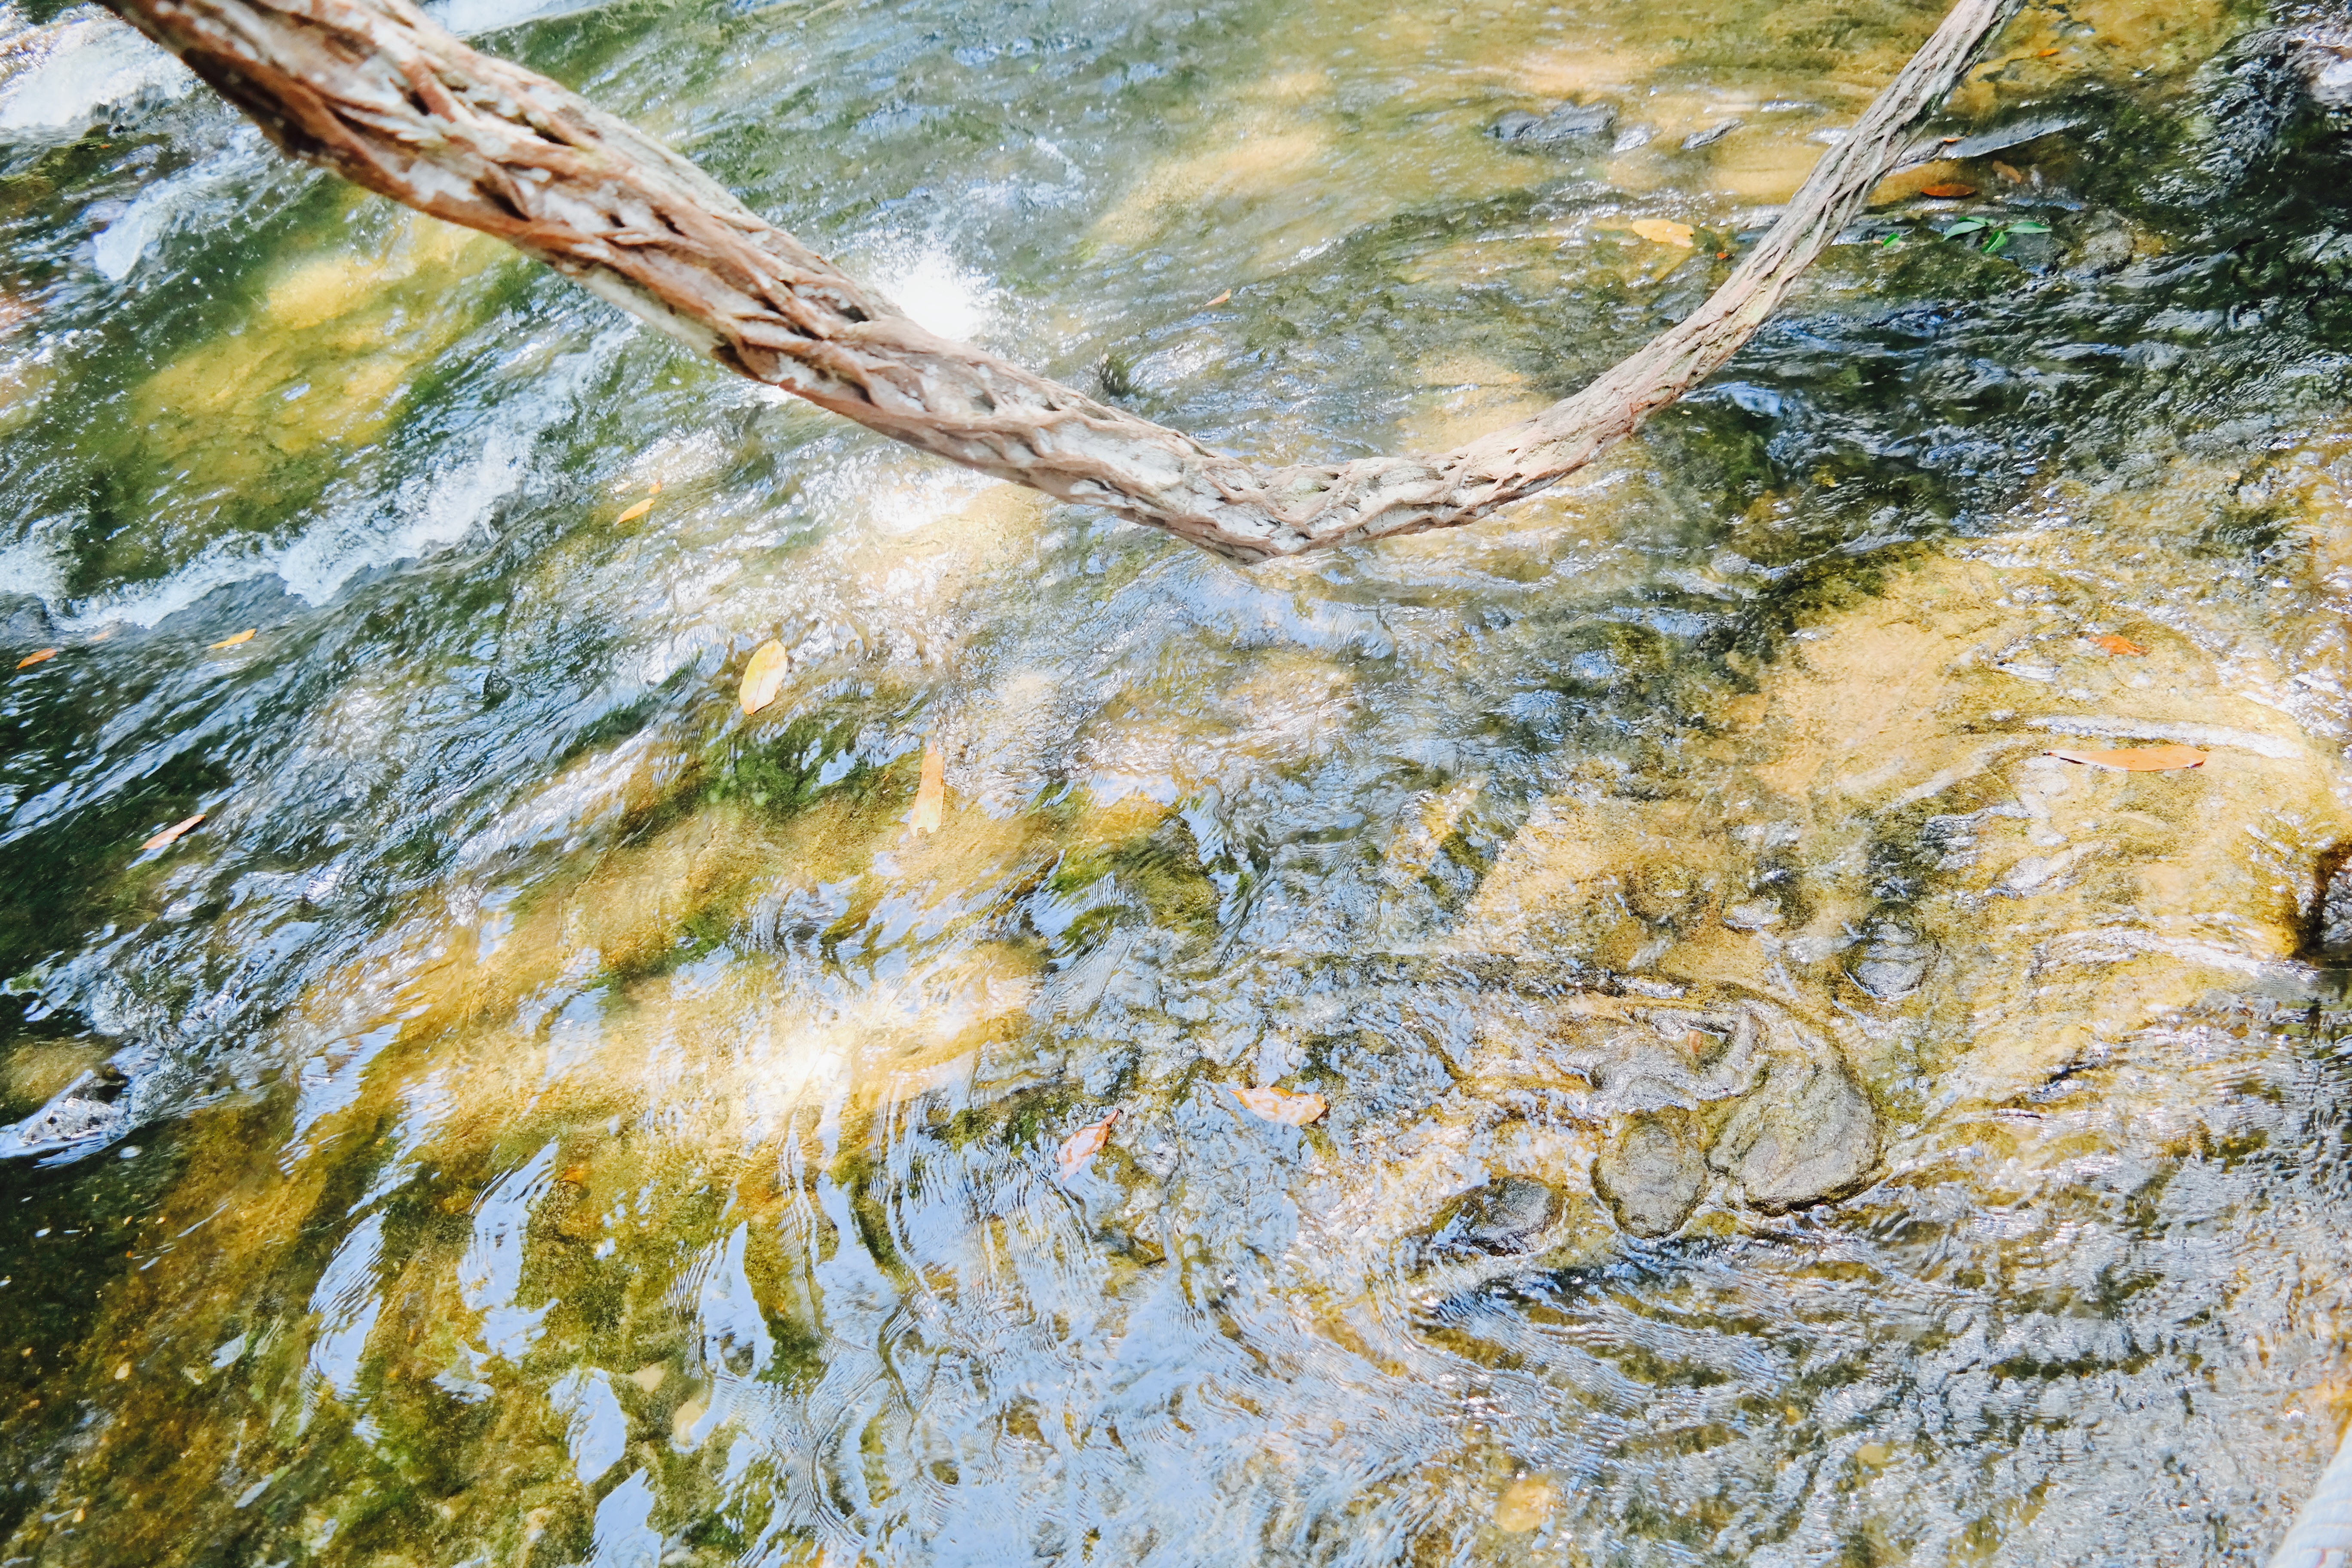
x: 1894, y: 965
x: 1504, y: 1215
x: 1652, y: 1172
x: 1569, y: 122
x: 1810, y: 1135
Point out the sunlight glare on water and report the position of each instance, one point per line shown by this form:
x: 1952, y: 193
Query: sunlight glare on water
x: 1778, y: 1113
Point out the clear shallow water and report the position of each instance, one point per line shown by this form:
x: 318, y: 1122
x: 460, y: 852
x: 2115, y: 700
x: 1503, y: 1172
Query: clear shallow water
x: 543, y: 1116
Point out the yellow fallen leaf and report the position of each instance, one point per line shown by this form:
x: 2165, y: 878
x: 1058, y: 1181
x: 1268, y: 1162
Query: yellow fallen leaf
x: 244, y: 636
x: 41, y: 657
x: 657, y: 489
x: 1525, y: 1504
x: 1272, y: 1104
x: 172, y: 833
x: 931, y: 793
x: 763, y: 677
x: 1662, y: 231
x: 635, y: 512
x: 1083, y: 1144
x: 2138, y: 759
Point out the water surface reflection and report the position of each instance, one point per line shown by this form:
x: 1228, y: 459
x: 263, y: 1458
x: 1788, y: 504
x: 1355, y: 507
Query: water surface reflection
x: 1777, y: 1114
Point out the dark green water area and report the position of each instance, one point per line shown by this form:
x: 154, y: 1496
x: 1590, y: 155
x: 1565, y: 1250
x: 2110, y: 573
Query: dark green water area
x: 1779, y: 1115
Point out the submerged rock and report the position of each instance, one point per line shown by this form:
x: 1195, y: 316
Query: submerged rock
x: 84, y: 1115
x: 1894, y: 964
x: 1569, y: 122
x: 1506, y: 1215
x: 24, y: 623
x: 1653, y: 1172
x: 1808, y: 1136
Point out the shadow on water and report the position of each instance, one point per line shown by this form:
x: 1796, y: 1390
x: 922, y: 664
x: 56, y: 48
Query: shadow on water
x: 1778, y: 1114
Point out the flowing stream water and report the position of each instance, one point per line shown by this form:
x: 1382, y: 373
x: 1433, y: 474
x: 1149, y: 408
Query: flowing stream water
x: 542, y: 1115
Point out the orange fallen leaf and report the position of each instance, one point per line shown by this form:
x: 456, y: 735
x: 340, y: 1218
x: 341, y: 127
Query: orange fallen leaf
x: 635, y: 512
x: 575, y: 1175
x: 656, y: 489
x: 2138, y: 759
x: 763, y: 677
x: 244, y: 636
x: 2046, y: 54
x: 172, y: 833
x: 2007, y: 172
x: 1083, y: 1144
x: 1272, y: 1104
x: 931, y: 793
x: 2121, y: 647
x: 1662, y: 231
x: 1218, y: 301
x: 1947, y: 193
x: 41, y: 657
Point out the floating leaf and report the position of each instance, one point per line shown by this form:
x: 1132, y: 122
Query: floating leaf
x: 1218, y: 301
x: 1965, y: 225
x: 931, y: 793
x: 2027, y: 225
x: 635, y: 512
x: 2119, y: 648
x: 2007, y: 172
x: 1947, y: 193
x: 763, y: 677
x: 1662, y: 231
x: 1297, y: 1110
x: 41, y: 657
x: 1083, y: 1144
x: 575, y: 1176
x: 244, y: 636
x: 2138, y: 759
x: 656, y: 489
x: 172, y: 833
x: 1999, y: 243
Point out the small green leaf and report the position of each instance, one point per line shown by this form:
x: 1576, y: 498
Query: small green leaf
x: 1999, y: 243
x: 2027, y: 225
x: 1965, y: 225
x: 1890, y: 242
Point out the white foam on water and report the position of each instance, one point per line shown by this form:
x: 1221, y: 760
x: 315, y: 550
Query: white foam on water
x: 56, y: 78
x: 72, y: 68
x: 170, y: 204
x: 428, y: 513
x: 32, y: 565
x: 436, y: 512
x: 467, y: 17
x: 937, y: 290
